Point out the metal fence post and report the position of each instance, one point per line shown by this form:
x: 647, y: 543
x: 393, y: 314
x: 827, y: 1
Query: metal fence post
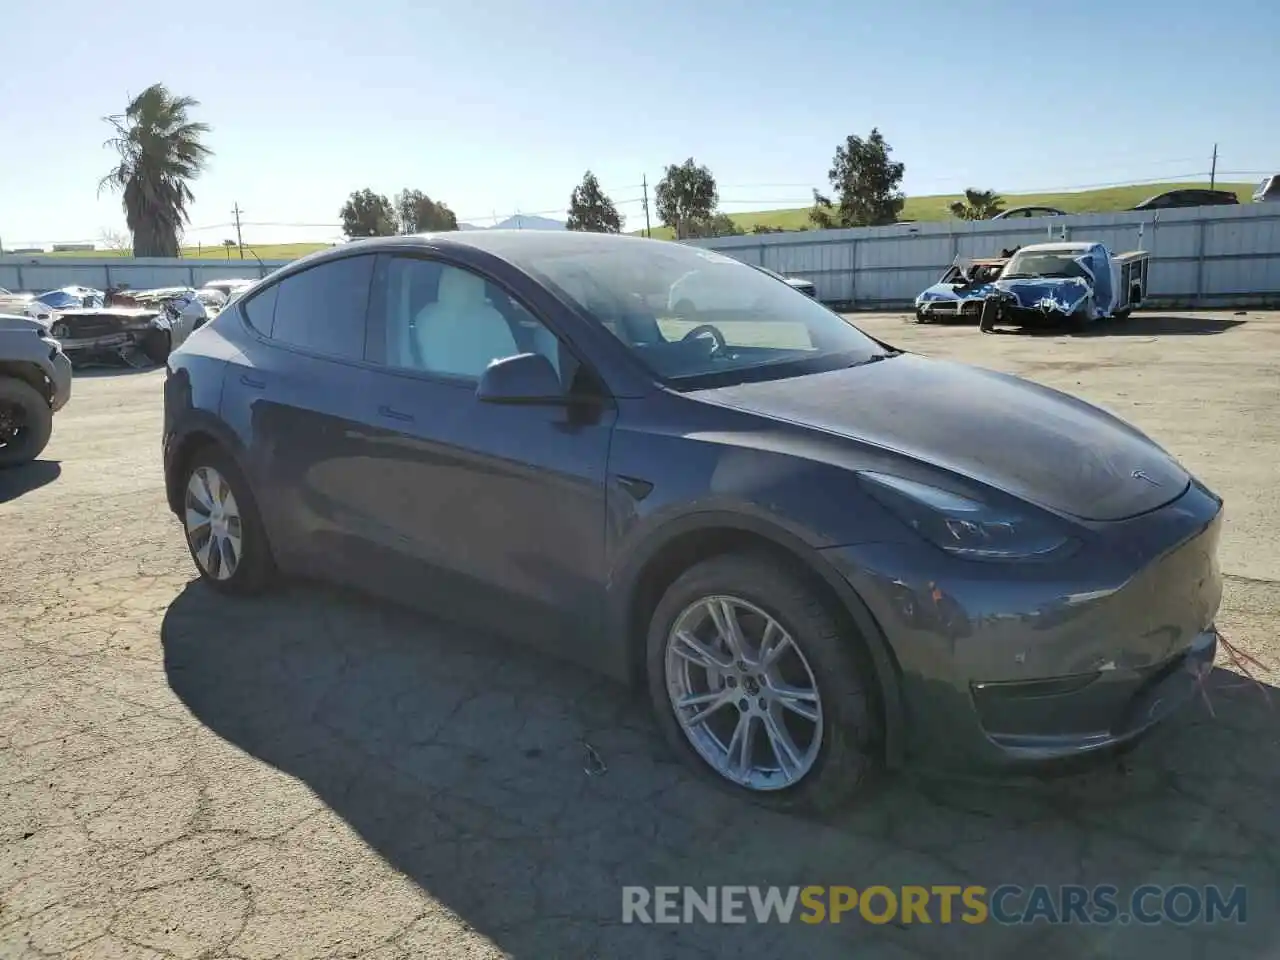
x: 191, y: 276
x: 106, y: 272
x: 1200, y: 263
x: 21, y: 285
x: 853, y: 273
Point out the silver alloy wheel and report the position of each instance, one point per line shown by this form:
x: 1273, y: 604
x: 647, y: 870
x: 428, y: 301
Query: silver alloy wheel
x: 733, y: 672
x: 213, y: 523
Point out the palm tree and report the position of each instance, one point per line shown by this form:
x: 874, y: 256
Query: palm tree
x: 977, y: 205
x: 160, y: 153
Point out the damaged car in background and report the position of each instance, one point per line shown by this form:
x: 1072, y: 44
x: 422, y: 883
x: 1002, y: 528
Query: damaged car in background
x: 138, y: 328
x: 1066, y: 283
x: 42, y: 306
x: 961, y: 291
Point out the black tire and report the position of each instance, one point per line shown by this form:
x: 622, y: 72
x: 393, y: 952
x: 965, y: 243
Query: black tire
x: 851, y: 740
x: 921, y: 317
x: 34, y: 419
x: 256, y: 570
x: 156, y: 346
x: 1121, y: 315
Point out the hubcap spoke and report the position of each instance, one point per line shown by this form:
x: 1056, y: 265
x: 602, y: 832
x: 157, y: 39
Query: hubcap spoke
x: 689, y: 647
x: 710, y: 703
x: 797, y: 700
x: 726, y: 620
x: 784, y: 748
x: 773, y: 645
x: 742, y: 745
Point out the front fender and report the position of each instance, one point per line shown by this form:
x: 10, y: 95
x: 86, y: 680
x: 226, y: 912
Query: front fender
x: 626, y: 581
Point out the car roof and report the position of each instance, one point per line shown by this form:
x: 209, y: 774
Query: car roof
x: 1057, y: 247
x: 508, y: 244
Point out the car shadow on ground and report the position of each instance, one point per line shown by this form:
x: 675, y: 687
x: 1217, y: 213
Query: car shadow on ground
x: 17, y: 481
x: 1138, y: 325
x: 96, y: 370
x: 464, y: 763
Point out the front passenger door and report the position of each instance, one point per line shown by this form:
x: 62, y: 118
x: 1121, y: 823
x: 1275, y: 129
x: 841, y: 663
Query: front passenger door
x: 498, y: 511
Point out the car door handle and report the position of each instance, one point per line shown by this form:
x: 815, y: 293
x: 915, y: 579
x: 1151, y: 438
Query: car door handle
x: 393, y: 414
x: 253, y: 382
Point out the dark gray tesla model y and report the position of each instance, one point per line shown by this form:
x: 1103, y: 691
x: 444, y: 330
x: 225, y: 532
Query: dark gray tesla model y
x: 816, y: 551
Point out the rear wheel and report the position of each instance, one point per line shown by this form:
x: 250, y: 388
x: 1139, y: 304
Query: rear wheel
x: 26, y: 422
x: 760, y: 687
x: 223, y: 528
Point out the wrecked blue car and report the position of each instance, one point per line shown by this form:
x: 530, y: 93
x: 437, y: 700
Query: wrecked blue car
x: 1072, y: 283
x: 961, y: 291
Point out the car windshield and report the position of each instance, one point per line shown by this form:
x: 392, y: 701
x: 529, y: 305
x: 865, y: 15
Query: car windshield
x: 1032, y: 264
x: 696, y: 317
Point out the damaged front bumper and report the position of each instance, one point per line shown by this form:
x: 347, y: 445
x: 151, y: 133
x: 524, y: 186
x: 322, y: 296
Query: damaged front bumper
x: 109, y: 336
x: 1030, y: 302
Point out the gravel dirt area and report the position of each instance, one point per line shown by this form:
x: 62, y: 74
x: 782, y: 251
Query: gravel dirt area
x: 312, y: 774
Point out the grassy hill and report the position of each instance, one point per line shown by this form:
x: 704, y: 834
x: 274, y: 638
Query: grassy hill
x: 265, y: 251
x: 921, y: 209
x: 936, y: 207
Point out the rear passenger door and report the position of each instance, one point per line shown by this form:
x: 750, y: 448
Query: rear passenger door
x: 297, y: 392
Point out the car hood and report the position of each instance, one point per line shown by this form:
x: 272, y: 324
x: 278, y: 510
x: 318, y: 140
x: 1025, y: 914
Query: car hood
x: 1027, y: 440
x: 1063, y: 294
x: 948, y: 291
x: 10, y: 321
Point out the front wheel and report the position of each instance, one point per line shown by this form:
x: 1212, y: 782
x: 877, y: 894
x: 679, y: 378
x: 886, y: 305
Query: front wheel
x: 223, y: 528
x: 1122, y: 315
x: 26, y: 422
x: 758, y: 685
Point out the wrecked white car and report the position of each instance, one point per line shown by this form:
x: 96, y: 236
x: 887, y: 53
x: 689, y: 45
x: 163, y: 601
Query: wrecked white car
x: 136, y: 328
x: 1073, y: 283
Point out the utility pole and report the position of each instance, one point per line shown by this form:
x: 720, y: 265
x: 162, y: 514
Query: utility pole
x: 239, y: 239
x: 644, y: 185
x: 1213, y: 172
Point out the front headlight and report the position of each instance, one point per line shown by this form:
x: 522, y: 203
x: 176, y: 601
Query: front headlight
x: 969, y: 528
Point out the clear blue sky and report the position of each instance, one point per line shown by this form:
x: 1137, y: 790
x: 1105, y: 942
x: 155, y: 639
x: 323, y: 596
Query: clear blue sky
x: 496, y: 106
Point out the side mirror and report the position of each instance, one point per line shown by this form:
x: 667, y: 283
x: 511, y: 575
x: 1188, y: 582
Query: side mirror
x: 524, y: 378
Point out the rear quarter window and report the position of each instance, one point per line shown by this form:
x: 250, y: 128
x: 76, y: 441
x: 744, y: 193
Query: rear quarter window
x: 260, y: 310
x: 323, y: 309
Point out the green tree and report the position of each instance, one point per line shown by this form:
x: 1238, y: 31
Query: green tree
x: 415, y: 212
x: 717, y: 225
x: 368, y: 214
x: 866, y: 186
x: 977, y: 205
x: 161, y: 151
x: 686, y: 195
x: 590, y: 208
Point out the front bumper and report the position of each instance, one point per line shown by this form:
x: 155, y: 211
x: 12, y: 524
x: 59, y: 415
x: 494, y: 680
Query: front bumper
x: 949, y: 309
x: 1005, y: 664
x: 60, y: 376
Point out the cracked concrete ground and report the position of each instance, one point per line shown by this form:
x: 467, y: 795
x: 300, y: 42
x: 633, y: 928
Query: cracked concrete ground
x: 315, y: 775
